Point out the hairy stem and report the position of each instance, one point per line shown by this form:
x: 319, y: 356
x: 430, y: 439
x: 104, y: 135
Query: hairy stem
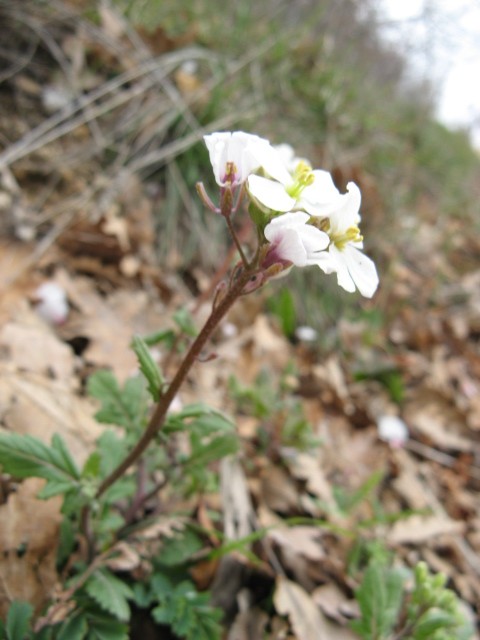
x: 158, y: 416
x: 236, y: 241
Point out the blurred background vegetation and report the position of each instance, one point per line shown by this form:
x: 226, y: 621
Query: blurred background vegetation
x: 318, y: 75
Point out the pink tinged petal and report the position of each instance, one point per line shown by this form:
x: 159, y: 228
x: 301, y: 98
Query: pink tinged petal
x: 286, y: 245
x: 362, y: 270
x: 216, y: 143
x: 226, y: 147
x: 271, y: 194
x: 311, y: 239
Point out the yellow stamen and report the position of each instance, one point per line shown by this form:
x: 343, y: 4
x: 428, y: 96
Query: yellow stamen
x: 303, y: 177
x: 230, y: 172
x: 352, y: 234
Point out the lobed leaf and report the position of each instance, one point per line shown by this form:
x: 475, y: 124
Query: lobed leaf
x: 124, y: 407
x: 24, y: 456
x: 111, y: 593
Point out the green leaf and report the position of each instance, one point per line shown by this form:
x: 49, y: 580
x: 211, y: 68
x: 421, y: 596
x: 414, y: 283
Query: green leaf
x: 179, y: 549
x: 67, y: 542
x: 124, y: 407
x: 185, y: 322
x: 18, y: 620
x: 24, y: 456
x: 148, y: 367
x: 106, y: 628
x: 56, y: 488
x: 110, y: 593
x: 283, y: 306
x: 203, y: 453
x: 69, y: 463
x: 74, y: 628
x: 166, y: 335
x: 112, y: 450
x: 380, y: 597
x: 91, y: 468
x: 200, y: 418
x: 432, y: 621
x: 188, y: 613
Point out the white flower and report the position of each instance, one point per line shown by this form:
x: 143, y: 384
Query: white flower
x: 306, y: 334
x: 288, y: 156
x: 52, y: 304
x: 392, y: 429
x: 232, y: 156
x: 294, y: 241
x: 298, y: 189
x: 354, y: 270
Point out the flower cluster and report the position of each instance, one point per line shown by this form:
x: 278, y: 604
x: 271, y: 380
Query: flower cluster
x: 301, y: 216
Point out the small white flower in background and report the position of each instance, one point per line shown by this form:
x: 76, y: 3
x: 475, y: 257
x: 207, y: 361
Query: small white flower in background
x: 393, y: 430
x: 52, y: 303
x: 233, y: 156
x: 306, y: 334
x: 353, y: 268
x: 292, y: 240
x: 301, y: 189
x: 176, y: 405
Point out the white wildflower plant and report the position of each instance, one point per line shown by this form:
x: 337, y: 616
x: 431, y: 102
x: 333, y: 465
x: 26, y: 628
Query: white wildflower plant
x: 301, y: 217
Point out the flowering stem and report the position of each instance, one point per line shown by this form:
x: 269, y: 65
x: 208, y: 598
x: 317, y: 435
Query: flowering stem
x: 236, y: 241
x: 158, y: 416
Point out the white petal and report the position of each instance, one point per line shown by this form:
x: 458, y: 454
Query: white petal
x: 270, y: 193
x: 290, y: 219
x: 346, y: 214
x: 313, y: 239
x: 286, y: 244
x: 225, y: 147
x: 288, y: 157
x: 362, y: 270
x: 272, y: 162
x: 332, y: 261
x: 216, y: 143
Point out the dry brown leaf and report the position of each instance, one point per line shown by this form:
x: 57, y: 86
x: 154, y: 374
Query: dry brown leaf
x: 307, y: 620
x: 334, y: 603
x: 437, y: 420
x: 306, y: 467
x: 28, y: 546
x: 302, y: 540
x: 32, y: 346
x: 36, y: 405
x: 125, y: 557
x: 249, y: 625
x: 305, y: 617
x: 418, y: 529
x: 278, y: 490
x: 408, y: 483
x: 238, y: 513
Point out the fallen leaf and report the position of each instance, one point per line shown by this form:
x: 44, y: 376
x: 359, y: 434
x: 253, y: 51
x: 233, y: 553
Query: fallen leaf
x: 418, y: 529
x: 307, y: 620
x: 28, y: 546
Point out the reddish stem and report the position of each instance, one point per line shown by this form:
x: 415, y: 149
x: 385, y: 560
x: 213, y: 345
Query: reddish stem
x: 158, y: 417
